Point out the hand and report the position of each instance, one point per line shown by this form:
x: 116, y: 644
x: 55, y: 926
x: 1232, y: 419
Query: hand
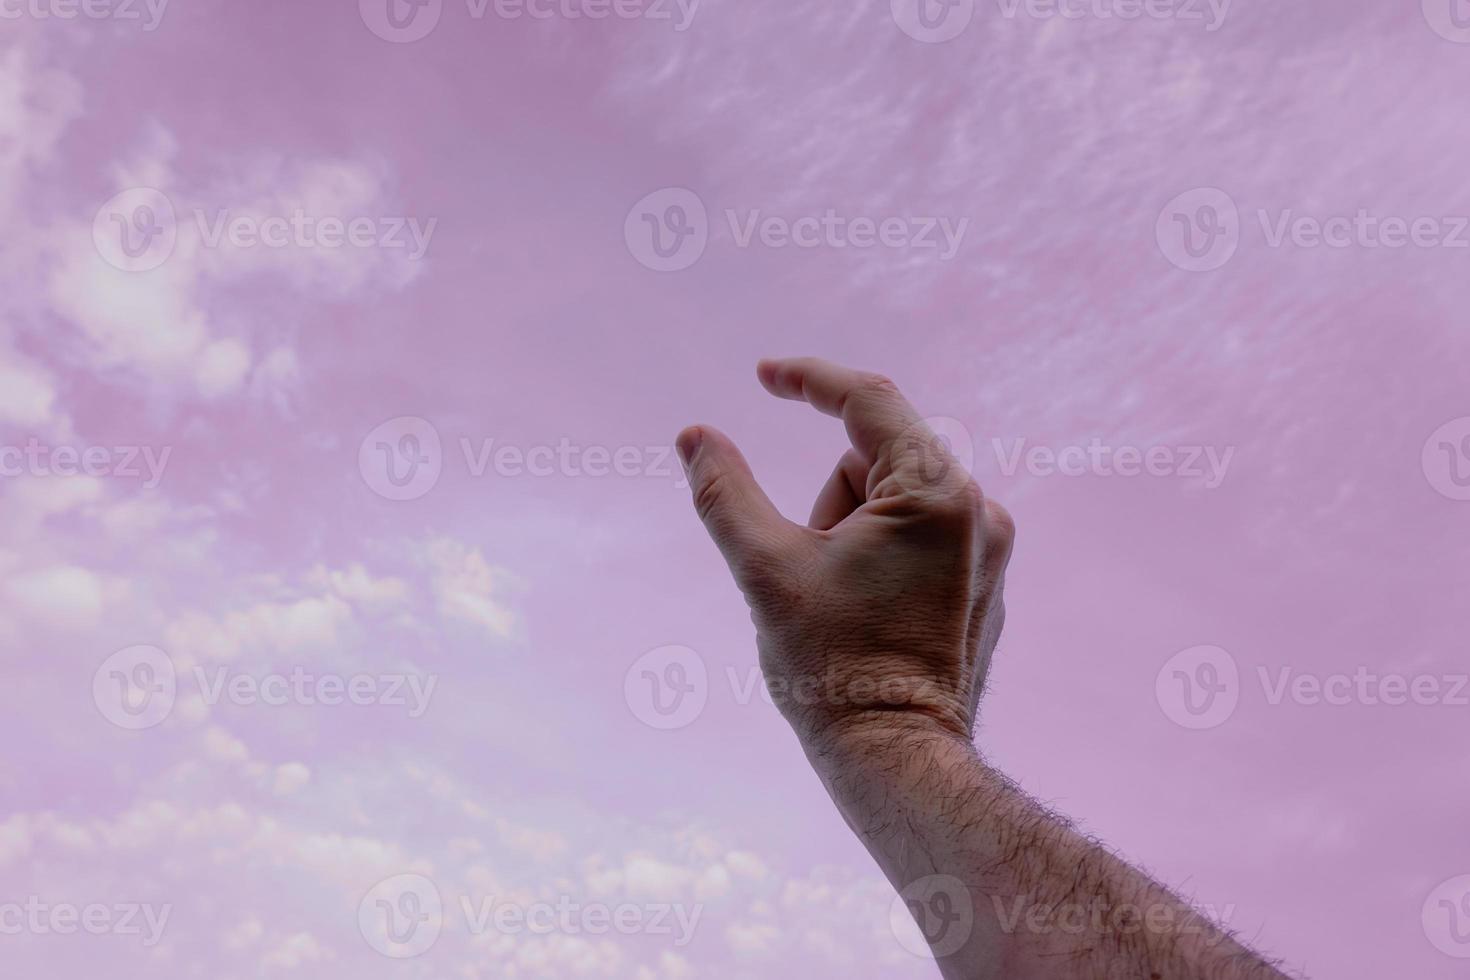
x: 876, y: 623
x: 882, y: 612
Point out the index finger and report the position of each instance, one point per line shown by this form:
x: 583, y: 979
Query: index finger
x: 875, y: 412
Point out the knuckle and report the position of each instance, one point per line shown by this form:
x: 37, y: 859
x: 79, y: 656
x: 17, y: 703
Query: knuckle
x: 709, y: 495
x: 960, y: 505
x: 880, y: 385
x: 1000, y: 526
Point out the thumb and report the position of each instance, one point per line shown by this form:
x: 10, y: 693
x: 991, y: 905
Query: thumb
x: 752, y: 535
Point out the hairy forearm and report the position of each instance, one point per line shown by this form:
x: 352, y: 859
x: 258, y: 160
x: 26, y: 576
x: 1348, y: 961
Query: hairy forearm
x: 1047, y: 902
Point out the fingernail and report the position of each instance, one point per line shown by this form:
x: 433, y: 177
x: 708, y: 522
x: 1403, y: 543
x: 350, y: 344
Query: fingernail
x: 687, y: 446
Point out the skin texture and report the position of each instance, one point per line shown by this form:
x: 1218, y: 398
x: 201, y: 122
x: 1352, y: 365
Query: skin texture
x: 875, y: 623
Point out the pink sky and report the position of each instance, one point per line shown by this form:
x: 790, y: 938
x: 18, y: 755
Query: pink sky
x: 1304, y: 516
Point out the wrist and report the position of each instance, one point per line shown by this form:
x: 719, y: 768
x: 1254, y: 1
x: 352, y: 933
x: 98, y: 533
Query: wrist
x: 880, y: 740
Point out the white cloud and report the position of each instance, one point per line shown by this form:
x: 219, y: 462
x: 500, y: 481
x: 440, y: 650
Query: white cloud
x: 468, y: 587
x: 293, y: 951
x: 247, y: 933
x: 751, y: 937
x: 221, y: 746
x: 712, y: 883
x: 295, y: 626
x: 222, y: 367
x: 32, y: 499
x: 290, y: 777
x: 646, y: 878
x: 63, y: 594
x: 356, y: 584
x: 746, y: 864
x: 27, y: 392
x: 15, y: 838
x: 158, y: 324
x: 538, y: 843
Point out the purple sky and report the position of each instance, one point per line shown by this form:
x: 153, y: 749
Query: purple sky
x: 1187, y: 290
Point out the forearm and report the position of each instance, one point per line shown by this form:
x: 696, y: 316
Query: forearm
x: 1047, y: 902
